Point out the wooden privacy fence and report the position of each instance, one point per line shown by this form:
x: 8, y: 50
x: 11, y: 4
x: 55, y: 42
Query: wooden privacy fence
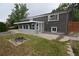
x: 73, y: 27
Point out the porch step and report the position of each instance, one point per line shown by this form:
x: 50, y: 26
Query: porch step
x: 69, y: 50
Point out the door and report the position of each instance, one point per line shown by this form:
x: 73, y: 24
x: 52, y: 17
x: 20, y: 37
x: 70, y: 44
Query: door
x: 40, y: 27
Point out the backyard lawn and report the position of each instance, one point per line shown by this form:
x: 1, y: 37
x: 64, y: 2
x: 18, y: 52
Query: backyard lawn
x: 75, y: 47
x: 35, y: 46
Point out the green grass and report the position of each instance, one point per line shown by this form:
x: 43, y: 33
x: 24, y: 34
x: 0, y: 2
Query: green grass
x: 75, y: 47
x: 35, y: 46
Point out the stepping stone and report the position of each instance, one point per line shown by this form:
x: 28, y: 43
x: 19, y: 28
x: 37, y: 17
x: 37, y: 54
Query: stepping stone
x: 70, y: 53
x: 69, y: 50
x: 66, y: 38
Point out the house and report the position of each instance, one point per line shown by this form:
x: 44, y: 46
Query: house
x: 55, y: 22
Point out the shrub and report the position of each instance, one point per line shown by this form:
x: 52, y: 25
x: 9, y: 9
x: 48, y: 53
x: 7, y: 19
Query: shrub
x: 75, y: 14
x: 3, y: 27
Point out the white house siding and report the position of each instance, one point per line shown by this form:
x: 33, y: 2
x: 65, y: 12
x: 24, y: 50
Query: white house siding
x: 37, y: 29
x: 27, y: 31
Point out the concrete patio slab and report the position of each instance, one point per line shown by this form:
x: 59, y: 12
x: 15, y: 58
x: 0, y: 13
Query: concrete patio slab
x: 47, y: 36
x: 43, y: 35
x: 65, y: 38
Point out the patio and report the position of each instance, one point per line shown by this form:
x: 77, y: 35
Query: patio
x: 43, y: 35
x: 49, y: 36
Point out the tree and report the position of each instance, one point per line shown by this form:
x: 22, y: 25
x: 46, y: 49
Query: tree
x: 72, y: 7
x: 3, y: 27
x: 18, y: 13
x: 63, y: 6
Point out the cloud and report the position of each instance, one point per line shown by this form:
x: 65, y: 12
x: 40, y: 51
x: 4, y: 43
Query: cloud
x: 41, y: 8
x: 34, y: 9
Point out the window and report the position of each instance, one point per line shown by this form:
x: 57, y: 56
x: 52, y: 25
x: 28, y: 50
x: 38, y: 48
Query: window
x: 20, y: 26
x: 26, y: 26
x: 37, y: 25
x: 31, y: 26
x: 53, y: 29
x: 53, y: 18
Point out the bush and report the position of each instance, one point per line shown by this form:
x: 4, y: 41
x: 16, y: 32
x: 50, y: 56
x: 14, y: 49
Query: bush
x: 75, y: 14
x: 3, y: 27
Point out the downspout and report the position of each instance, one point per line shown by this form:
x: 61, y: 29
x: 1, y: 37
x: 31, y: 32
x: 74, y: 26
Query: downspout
x: 67, y: 22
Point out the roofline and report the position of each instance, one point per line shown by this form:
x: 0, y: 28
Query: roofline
x: 46, y: 14
x: 39, y: 15
x: 28, y: 22
x: 42, y: 15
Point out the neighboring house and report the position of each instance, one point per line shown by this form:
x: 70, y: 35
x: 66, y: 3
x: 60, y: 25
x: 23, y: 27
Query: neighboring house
x: 56, y: 22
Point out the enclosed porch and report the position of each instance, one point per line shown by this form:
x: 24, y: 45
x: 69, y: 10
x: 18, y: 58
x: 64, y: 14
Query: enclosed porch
x: 30, y: 26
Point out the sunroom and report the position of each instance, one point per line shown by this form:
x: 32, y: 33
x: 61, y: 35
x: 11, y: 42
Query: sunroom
x: 30, y: 26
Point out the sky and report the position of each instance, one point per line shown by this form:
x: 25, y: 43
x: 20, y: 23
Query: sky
x: 34, y: 9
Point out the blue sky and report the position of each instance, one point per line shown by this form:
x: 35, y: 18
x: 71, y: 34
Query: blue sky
x: 34, y: 9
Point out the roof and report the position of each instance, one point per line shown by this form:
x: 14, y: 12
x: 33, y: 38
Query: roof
x: 46, y: 14
x: 28, y: 22
x: 30, y: 19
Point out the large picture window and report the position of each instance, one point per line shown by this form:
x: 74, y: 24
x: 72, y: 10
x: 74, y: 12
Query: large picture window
x: 53, y: 18
x: 20, y: 26
x: 31, y: 26
x: 26, y: 26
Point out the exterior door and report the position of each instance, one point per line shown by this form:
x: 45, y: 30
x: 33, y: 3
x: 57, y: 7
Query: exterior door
x: 40, y: 27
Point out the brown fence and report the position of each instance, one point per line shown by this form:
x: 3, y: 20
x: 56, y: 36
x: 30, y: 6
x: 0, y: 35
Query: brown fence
x: 73, y: 26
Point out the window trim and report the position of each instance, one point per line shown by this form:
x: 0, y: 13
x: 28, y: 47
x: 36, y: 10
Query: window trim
x: 54, y: 31
x: 26, y: 26
x: 54, y: 19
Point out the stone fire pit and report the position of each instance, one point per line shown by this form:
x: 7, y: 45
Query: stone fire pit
x: 18, y: 41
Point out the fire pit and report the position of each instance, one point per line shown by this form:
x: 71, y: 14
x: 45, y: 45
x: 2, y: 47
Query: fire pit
x: 18, y: 41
